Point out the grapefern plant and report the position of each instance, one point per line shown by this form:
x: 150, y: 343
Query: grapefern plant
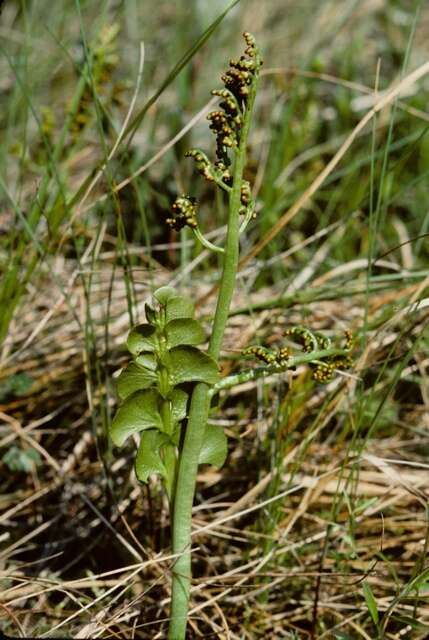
x: 167, y: 387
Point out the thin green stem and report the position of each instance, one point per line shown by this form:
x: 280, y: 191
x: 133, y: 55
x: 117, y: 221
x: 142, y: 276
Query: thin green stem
x: 170, y: 461
x: 182, y: 516
x: 169, y: 455
x: 220, y: 183
x: 200, y: 402
x: 232, y: 238
x: 206, y: 243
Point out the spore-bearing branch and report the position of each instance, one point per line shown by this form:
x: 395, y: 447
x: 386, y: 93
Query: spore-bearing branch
x: 323, y: 359
x: 226, y: 124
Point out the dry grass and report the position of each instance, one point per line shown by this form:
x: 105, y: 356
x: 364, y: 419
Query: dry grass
x: 67, y: 519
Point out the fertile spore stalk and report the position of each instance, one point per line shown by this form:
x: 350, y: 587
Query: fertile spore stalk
x: 167, y: 388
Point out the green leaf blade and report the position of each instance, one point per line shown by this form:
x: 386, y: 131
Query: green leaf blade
x: 134, y: 378
x: 147, y: 361
x: 163, y: 295
x: 189, y: 364
x: 139, y: 412
x: 142, y: 338
x: 179, y: 307
x: 24, y: 460
x: 370, y: 602
x: 215, y: 447
x: 179, y: 401
x: 184, y: 331
x: 150, y: 314
x: 148, y: 459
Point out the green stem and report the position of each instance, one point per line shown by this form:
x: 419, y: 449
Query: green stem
x: 169, y: 454
x: 207, y: 244
x: 182, y: 516
x: 200, y: 402
x: 170, y: 461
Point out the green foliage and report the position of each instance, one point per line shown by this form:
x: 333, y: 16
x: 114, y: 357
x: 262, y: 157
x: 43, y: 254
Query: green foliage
x: 148, y: 459
x: 163, y: 294
x: 147, y: 361
x: 16, y: 385
x: 214, y: 449
x: 154, y: 403
x: 370, y: 602
x: 178, y: 307
x: 179, y: 400
x: 408, y: 621
x: 188, y: 364
x: 142, y: 338
x: 140, y: 411
x: 18, y: 459
x: 184, y: 331
x: 134, y: 378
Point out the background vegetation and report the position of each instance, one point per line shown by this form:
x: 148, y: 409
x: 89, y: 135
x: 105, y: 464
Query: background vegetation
x: 317, y: 526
